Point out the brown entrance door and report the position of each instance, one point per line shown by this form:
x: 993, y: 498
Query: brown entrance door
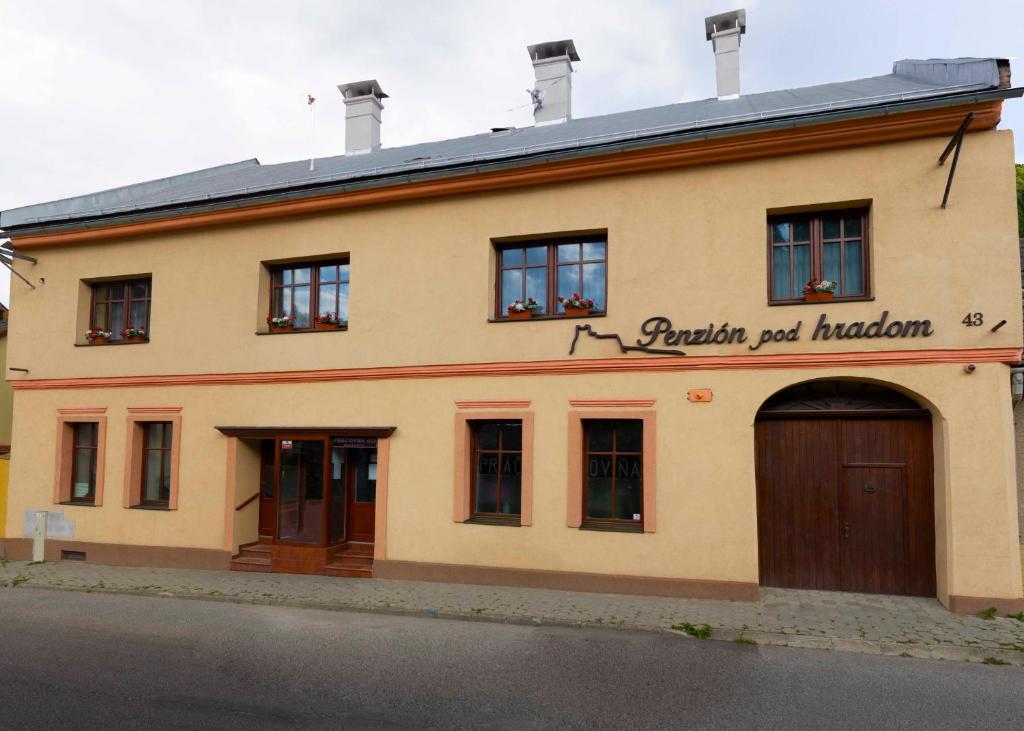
x: 361, y: 498
x: 845, y: 499
x: 873, y: 514
x: 268, y: 503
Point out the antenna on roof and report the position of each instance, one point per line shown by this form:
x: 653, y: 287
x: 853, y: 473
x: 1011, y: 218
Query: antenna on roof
x: 310, y: 99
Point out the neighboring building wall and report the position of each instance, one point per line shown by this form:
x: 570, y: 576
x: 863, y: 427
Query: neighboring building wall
x: 5, y: 472
x: 6, y: 396
x: 688, y: 244
x: 1018, y: 428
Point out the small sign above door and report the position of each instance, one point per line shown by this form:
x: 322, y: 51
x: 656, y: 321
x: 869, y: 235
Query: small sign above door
x: 286, y: 444
x: 354, y: 442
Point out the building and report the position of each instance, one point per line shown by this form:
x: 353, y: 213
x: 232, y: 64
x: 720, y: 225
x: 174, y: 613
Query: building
x: 6, y: 413
x: 700, y: 428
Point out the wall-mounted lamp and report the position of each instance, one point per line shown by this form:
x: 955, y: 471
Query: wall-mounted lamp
x: 970, y: 368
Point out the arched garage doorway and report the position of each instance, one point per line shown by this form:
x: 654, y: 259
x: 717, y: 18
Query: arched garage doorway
x: 845, y: 500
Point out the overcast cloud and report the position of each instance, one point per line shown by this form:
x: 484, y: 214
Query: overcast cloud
x: 103, y: 93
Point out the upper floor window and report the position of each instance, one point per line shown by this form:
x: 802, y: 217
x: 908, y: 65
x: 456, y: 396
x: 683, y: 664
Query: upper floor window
x: 121, y: 308
x: 546, y: 271
x: 310, y: 293
x: 830, y: 245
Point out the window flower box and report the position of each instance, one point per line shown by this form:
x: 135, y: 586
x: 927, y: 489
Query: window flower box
x: 522, y: 310
x: 134, y: 335
x: 819, y: 290
x: 329, y: 321
x: 576, y: 306
x: 97, y: 336
x: 281, y: 324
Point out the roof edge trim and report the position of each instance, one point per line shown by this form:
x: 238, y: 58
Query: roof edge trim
x: 818, y: 132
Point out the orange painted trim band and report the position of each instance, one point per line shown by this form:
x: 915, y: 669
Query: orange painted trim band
x: 848, y: 133
x: 597, y: 403
x: 70, y: 411
x: 492, y: 404
x: 545, y: 368
x: 154, y: 409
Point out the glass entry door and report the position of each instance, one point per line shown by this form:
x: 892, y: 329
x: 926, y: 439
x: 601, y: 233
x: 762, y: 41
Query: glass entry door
x: 301, y: 511
x: 325, y: 491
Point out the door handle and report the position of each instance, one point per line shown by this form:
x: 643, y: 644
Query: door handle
x: 869, y: 487
x: 846, y: 530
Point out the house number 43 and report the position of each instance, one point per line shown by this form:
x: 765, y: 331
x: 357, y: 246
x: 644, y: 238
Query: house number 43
x: 973, y: 319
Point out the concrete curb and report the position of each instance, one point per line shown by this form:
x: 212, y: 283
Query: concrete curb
x: 988, y: 655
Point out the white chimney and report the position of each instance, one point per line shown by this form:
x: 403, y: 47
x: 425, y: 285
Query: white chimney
x: 724, y: 32
x: 552, y: 93
x: 362, y: 115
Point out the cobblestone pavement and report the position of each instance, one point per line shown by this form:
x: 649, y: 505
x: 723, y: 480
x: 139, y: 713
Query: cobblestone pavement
x: 866, y: 623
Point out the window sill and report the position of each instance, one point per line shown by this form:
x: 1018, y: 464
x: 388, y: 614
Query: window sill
x: 113, y: 342
x: 836, y: 301
x: 547, y: 317
x: 150, y: 507
x: 482, y: 520
x: 614, y: 527
x: 305, y: 331
x: 79, y: 503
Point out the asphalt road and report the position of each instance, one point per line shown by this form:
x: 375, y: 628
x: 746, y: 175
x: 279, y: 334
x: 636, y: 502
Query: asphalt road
x: 75, y: 660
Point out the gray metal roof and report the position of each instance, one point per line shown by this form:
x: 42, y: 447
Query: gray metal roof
x: 918, y: 82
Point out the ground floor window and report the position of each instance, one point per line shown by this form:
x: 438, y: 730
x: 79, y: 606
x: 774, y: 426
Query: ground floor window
x: 83, y: 461
x: 497, y: 469
x: 156, y: 463
x: 81, y: 441
x: 613, y: 474
x: 154, y: 448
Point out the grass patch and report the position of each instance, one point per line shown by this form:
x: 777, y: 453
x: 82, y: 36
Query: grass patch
x: 19, y: 580
x: 745, y: 641
x: 1019, y: 616
x: 478, y: 610
x: 988, y: 613
x: 994, y: 661
x: 701, y: 633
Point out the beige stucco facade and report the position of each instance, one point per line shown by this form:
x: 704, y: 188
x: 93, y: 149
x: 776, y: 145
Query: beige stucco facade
x: 688, y: 244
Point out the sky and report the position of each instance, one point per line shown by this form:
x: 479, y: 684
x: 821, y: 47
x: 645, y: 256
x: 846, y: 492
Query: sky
x: 104, y: 93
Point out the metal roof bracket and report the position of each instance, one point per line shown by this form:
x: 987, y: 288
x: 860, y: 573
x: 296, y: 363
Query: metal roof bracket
x: 955, y: 142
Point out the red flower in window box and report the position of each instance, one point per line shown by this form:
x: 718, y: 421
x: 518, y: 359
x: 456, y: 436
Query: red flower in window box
x: 98, y: 336
x: 280, y: 324
x: 328, y: 321
x: 134, y: 335
x: 576, y: 305
x: 819, y: 290
x: 522, y: 310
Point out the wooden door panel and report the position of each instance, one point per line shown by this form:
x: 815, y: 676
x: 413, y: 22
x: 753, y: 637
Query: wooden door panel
x: 905, y: 442
x: 796, y: 466
x: 268, y: 504
x: 811, y: 475
x: 873, y: 516
x: 361, y: 507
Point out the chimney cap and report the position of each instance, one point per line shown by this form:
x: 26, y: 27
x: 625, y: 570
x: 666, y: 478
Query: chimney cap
x: 362, y: 88
x: 553, y: 49
x: 726, y: 21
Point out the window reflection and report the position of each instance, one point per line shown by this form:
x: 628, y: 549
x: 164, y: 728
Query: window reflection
x: 306, y: 292
x: 549, y: 271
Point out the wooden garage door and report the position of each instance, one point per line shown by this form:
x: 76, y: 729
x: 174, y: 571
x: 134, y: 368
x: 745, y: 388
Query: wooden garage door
x: 844, y: 496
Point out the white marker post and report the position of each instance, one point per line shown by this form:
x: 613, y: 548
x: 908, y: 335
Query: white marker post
x: 39, y: 538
